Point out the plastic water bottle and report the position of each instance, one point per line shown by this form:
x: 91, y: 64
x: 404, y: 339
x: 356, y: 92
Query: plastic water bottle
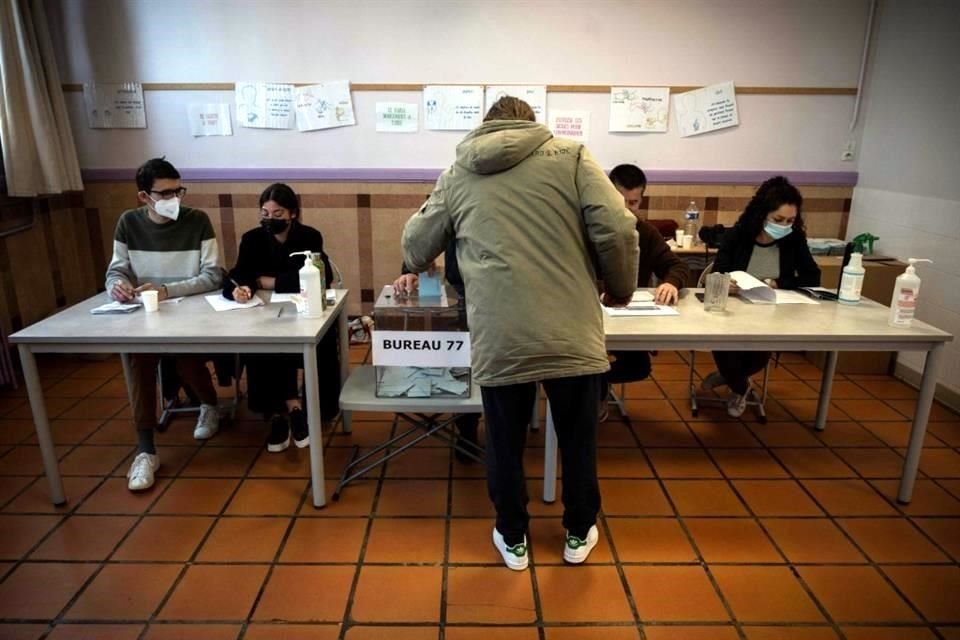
x: 692, y: 225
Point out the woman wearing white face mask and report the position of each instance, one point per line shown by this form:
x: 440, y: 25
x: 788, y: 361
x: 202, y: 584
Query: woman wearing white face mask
x: 770, y: 243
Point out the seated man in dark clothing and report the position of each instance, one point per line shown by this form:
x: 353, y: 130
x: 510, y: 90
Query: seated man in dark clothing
x: 655, y: 258
x: 467, y: 423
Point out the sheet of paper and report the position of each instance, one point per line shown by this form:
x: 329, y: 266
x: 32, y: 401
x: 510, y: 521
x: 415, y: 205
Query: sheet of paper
x: 398, y: 117
x: 533, y: 95
x: 752, y: 289
x: 452, y: 107
x: 574, y: 125
x: 639, y: 109
x: 793, y: 297
x: 429, y: 286
x: 641, y: 310
x: 114, y: 106
x: 219, y: 303
x: 707, y: 109
x: 265, y: 105
x: 282, y: 297
x: 641, y: 295
x: 115, y: 307
x: 324, y: 106
x: 212, y: 119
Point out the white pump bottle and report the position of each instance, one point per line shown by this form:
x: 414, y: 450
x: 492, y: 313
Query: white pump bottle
x: 906, y: 290
x: 311, y: 286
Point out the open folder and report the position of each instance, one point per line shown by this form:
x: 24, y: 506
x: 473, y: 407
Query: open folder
x: 757, y: 292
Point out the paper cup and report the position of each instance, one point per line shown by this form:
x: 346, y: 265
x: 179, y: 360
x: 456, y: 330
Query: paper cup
x: 679, y: 235
x: 687, y: 241
x: 151, y: 301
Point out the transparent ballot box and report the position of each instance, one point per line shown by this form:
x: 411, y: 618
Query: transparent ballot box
x: 421, y: 347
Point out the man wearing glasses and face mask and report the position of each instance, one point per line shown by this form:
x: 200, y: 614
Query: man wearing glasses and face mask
x: 164, y: 247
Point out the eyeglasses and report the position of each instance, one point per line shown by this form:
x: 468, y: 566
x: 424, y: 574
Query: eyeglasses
x: 166, y: 194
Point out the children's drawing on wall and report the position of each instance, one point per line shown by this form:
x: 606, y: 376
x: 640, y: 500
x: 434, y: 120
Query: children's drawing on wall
x: 324, y: 106
x: 707, y: 109
x: 639, y: 109
x: 534, y: 95
x: 452, y: 108
x: 114, y: 106
x: 264, y: 105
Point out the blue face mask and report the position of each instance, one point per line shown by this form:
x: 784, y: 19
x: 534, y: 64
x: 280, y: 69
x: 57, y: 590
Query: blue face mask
x: 777, y: 231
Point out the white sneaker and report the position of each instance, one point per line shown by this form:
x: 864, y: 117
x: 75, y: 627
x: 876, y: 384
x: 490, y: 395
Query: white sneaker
x: 207, y: 423
x: 576, y: 550
x: 515, y: 557
x: 737, y: 404
x: 140, y: 475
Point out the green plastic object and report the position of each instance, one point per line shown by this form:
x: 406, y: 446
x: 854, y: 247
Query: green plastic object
x: 863, y: 243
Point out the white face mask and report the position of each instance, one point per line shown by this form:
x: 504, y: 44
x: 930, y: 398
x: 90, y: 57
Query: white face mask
x: 167, y: 208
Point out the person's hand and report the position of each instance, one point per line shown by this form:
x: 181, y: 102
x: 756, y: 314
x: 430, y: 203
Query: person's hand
x: 122, y: 292
x: 608, y: 300
x: 267, y: 282
x: 432, y: 269
x: 666, y: 293
x: 770, y: 282
x: 242, y: 294
x: 159, y: 288
x: 405, y: 284
x: 734, y: 289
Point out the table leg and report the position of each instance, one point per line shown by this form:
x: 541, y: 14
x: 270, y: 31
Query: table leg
x: 826, y: 386
x: 51, y: 466
x: 343, y: 332
x: 314, y: 423
x: 919, y: 429
x: 549, y: 459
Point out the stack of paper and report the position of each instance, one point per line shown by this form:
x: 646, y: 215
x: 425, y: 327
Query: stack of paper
x: 757, y: 292
x: 115, y: 307
x: 421, y: 382
x: 219, y: 303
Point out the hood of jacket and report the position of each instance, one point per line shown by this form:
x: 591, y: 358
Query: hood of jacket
x: 499, y: 145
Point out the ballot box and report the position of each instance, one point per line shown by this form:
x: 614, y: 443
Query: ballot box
x: 421, y: 346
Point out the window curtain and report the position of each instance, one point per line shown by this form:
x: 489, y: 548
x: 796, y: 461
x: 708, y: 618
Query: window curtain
x: 39, y: 155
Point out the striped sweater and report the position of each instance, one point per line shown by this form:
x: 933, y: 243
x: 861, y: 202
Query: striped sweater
x: 182, y: 254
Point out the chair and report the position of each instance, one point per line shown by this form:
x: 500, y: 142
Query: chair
x: 754, y: 400
x: 174, y: 406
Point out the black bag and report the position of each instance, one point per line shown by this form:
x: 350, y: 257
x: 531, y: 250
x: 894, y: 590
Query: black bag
x: 711, y: 236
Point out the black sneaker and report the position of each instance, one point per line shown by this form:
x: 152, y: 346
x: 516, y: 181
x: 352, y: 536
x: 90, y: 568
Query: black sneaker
x: 298, y: 424
x: 279, y: 438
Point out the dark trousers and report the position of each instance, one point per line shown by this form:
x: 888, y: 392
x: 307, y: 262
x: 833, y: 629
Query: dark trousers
x: 507, y: 410
x: 736, y: 367
x: 192, y: 371
x: 629, y: 366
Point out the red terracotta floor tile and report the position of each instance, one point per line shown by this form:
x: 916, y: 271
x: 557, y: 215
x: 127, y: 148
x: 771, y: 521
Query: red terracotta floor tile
x: 938, y: 412
x: 776, y: 498
x: 93, y: 409
x: 843, y: 497
x: 765, y: 594
x: 650, y: 411
x: 897, y: 434
x: 664, y: 434
x: 813, y: 463
x: 633, y: 498
x: 785, y: 434
x: 94, y: 460
x: 489, y: 595
x: 10, y: 486
x: 15, y: 431
x: 471, y: 541
x: 712, y: 632
x: 856, y: 594
x: 944, y: 531
x: 586, y: 633
x: 928, y: 499
x: 417, y: 497
x: 582, y: 594
x: 650, y: 540
x: 674, y: 594
x: 939, y: 463
x: 406, y: 540
x: 69, y: 431
x: 812, y: 540
x: 748, y: 463
x: 788, y: 633
x: 215, y: 592
x: 377, y: 600
x: 341, y: 540
x: 221, y: 462
x: 124, y: 592
x: 195, y: 496
x: 682, y: 463
x: 888, y: 633
x: 25, y: 460
x: 19, y: 533
x: 266, y: 497
x: 848, y: 434
x: 355, y: 500
x: 22, y: 631
x: 623, y: 463
x: 720, y: 435
x: 704, y: 498
x: 891, y: 540
x: 873, y: 462
x: 934, y: 590
x: 36, y: 498
x: 393, y: 633
x: 96, y: 632
x: 298, y: 593
x: 420, y: 462
x: 162, y: 631
x: 244, y: 540
x: 114, y: 497
x: 731, y: 540
x: 40, y: 591
x: 84, y: 538
x: 948, y: 432
x: 164, y: 539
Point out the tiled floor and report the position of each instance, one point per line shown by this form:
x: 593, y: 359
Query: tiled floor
x: 712, y: 528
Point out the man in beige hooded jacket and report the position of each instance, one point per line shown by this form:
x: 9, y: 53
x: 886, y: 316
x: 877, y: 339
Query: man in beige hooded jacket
x: 536, y: 223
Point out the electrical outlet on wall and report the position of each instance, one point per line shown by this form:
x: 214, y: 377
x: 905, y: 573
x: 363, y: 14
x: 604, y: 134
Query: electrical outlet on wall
x: 847, y: 154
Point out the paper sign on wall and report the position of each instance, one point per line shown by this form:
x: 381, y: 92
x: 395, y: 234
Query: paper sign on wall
x: 209, y: 119
x: 421, y: 348
x: 535, y: 96
x: 324, y: 106
x: 114, y: 106
x: 574, y: 125
x: 452, y: 108
x: 397, y: 117
x: 707, y: 109
x: 263, y: 105
x: 639, y: 109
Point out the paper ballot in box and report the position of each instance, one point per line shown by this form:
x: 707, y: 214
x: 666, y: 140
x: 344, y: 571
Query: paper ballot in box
x: 421, y: 347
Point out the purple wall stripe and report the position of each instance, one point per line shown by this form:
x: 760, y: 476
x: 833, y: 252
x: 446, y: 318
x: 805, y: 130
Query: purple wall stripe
x: 655, y: 176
